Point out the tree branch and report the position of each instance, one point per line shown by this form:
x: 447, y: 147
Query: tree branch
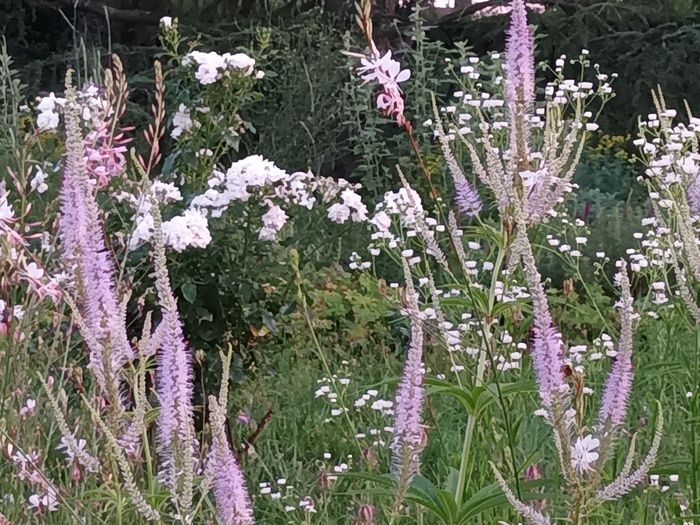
x: 475, y: 8
x: 99, y: 8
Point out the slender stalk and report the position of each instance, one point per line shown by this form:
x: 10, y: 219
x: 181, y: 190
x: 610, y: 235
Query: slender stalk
x: 480, y: 371
x: 294, y: 257
x: 694, y: 445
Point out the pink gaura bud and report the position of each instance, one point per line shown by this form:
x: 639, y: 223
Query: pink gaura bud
x: 533, y: 473
x: 365, y: 515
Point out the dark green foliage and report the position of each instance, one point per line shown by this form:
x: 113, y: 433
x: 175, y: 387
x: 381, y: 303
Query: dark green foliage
x: 647, y: 42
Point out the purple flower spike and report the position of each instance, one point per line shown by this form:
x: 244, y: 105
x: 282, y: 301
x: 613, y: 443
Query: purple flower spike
x: 409, y: 437
x: 520, y: 61
x: 85, y: 257
x: 694, y: 193
x: 619, y: 383
x: 547, y: 352
x: 467, y: 198
x: 232, y: 498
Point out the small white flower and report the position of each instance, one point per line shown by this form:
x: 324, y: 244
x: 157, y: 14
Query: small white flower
x: 583, y: 453
x: 381, y: 221
x: 47, y: 121
x: 338, y: 213
x: 37, y: 183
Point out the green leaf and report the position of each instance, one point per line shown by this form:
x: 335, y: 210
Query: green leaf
x: 467, y: 397
x: 189, y: 292
x: 269, y: 321
x: 491, y: 497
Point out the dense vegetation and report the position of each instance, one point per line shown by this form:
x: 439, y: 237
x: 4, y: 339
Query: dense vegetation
x: 321, y: 262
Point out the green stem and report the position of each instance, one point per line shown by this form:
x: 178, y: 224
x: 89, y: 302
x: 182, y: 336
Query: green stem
x: 468, y: 436
x: 694, y: 444
x: 294, y: 257
x: 480, y: 371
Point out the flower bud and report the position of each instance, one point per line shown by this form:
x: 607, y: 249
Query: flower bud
x: 370, y: 458
x: 568, y: 288
x: 365, y: 515
x: 533, y: 473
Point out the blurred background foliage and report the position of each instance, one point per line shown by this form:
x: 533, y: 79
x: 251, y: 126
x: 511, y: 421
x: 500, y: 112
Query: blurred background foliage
x: 648, y: 42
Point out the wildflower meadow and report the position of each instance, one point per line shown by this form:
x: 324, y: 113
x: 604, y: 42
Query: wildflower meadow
x: 349, y: 271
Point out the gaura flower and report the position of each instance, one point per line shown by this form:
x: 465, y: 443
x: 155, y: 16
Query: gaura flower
x: 584, y: 453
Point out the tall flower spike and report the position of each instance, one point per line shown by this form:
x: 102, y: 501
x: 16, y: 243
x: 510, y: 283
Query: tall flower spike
x: 532, y: 516
x: 86, y: 258
x: 174, y: 387
x: 520, y: 80
x: 467, y: 198
x: 619, y: 383
x: 409, y: 437
x: 232, y: 499
x: 547, y: 354
x: 693, y: 191
x: 627, y: 482
x: 520, y: 61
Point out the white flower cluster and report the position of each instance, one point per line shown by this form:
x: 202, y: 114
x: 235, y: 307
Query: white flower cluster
x: 94, y: 108
x: 351, y: 207
x: 406, y: 206
x: 273, y: 222
x: 211, y: 66
x: 179, y: 233
x: 275, y: 189
x: 670, y: 153
x: 47, y: 108
x: 241, y: 180
x: 183, y: 122
x: 480, y: 106
x: 673, y: 164
x: 188, y: 229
